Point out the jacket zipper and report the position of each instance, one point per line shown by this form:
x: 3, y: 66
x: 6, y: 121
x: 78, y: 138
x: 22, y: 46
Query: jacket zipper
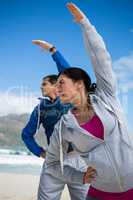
x: 108, y: 150
x: 112, y: 160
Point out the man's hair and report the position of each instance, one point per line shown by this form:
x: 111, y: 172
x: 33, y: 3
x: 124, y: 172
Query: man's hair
x: 51, y: 78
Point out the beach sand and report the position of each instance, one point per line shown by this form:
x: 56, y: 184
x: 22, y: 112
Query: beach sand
x: 21, y: 187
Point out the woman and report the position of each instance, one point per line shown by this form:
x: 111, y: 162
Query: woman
x: 51, y: 183
x: 96, y: 125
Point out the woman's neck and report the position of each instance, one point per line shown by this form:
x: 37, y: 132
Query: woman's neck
x: 82, y: 102
x: 83, y: 110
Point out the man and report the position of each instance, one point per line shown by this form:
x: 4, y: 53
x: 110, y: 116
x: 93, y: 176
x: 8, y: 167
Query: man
x: 50, y: 109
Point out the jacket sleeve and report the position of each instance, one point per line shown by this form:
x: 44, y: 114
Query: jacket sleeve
x: 100, y: 58
x: 29, y: 131
x: 60, y: 61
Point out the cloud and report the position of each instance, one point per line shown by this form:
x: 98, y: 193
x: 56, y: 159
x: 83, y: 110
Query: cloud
x: 13, y: 102
x: 129, y: 86
x: 124, y: 69
x: 21, y: 100
x: 124, y: 72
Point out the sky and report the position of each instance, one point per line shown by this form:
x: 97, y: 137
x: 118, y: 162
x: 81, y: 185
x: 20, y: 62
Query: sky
x: 22, y: 65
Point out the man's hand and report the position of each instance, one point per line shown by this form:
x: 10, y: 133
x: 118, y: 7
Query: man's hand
x: 43, y: 154
x: 90, y: 175
x: 75, y: 11
x: 43, y: 44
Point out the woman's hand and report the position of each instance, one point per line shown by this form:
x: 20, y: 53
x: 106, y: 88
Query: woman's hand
x: 89, y: 175
x: 76, y: 12
x: 43, y: 44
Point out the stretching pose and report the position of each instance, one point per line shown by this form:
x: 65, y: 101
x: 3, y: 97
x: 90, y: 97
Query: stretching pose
x: 50, y: 109
x: 47, y: 113
x: 96, y: 126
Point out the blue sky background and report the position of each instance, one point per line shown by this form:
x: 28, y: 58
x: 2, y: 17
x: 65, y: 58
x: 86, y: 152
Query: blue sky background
x: 23, y: 64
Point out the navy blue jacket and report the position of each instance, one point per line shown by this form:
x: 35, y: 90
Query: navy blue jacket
x: 46, y: 113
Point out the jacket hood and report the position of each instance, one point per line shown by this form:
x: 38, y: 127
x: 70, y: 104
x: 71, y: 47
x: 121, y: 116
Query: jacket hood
x: 45, y: 103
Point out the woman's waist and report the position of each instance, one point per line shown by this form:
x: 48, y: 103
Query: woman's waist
x: 110, y: 195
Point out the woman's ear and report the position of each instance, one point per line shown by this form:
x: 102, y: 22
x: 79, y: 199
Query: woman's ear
x: 80, y: 84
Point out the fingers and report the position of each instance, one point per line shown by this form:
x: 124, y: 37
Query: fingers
x: 91, y: 172
x: 91, y: 168
x: 43, y: 44
x: 90, y: 175
x: 39, y: 42
x: 36, y: 41
x: 89, y: 179
x: 71, y: 7
x: 43, y: 154
x: 75, y: 11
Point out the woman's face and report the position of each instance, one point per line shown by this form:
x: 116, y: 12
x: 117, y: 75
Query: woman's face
x: 68, y: 89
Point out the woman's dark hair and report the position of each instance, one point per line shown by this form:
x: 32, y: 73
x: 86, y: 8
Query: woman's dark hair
x: 51, y: 78
x: 77, y: 74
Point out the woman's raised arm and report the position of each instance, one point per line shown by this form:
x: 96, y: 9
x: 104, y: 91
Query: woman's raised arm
x: 97, y: 51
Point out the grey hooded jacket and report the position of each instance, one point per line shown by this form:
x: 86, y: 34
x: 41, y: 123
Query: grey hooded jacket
x: 113, y: 156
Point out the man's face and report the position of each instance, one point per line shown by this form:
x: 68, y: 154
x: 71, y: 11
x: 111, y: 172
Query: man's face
x: 48, y: 89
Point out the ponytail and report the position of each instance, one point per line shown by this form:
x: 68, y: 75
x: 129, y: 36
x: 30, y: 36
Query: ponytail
x: 92, y: 88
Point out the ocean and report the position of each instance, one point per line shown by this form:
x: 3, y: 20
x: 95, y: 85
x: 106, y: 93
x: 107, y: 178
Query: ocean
x: 20, y: 162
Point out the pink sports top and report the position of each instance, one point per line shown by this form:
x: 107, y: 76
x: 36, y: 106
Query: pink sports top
x: 95, y: 127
